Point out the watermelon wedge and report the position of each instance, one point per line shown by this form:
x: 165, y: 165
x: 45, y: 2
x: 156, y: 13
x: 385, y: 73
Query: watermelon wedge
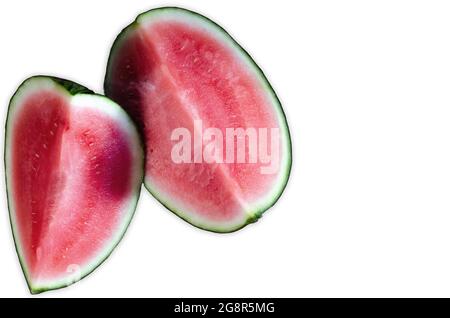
x: 74, y: 166
x: 217, y: 143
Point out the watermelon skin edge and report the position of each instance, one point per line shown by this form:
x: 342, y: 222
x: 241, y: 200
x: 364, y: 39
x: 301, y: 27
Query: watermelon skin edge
x: 253, y: 215
x: 72, y: 89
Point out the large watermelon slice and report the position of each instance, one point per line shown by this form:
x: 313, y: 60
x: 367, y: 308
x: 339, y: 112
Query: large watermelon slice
x: 189, y: 86
x: 74, y: 166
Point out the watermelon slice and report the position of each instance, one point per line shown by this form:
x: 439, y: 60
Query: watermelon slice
x: 74, y: 166
x: 217, y: 143
x: 189, y: 85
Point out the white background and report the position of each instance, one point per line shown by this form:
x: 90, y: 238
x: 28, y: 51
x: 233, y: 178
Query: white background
x: 366, y: 88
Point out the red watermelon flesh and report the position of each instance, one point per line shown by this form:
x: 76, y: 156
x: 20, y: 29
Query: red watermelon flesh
x: 172, y: 68
x: 73, y: 167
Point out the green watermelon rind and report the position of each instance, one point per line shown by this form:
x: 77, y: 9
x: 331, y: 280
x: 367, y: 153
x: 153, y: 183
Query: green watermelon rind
x: 71, y: 89
x: 257, y: 210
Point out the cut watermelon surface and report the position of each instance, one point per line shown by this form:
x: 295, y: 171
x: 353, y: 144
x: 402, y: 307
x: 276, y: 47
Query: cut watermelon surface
x: 189, y: 85
x: 74, y: 166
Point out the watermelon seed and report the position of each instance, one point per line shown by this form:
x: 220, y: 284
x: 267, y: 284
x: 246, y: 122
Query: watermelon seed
x: 44, y: 146
x: 36, y: 155
x: 38, y: 252
x: 51, y: 132
x: 93, y: 158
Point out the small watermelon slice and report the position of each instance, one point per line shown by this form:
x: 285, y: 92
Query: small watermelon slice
x: 74, y: 166
x: 175, y: 71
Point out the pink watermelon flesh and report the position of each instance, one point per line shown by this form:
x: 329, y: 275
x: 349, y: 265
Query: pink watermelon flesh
x: 171, y: 67
x: 73, y: 172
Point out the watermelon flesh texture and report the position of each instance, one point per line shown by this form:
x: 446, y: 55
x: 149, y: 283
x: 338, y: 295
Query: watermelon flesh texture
x: 74, y: 168
x: 173, y: 67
